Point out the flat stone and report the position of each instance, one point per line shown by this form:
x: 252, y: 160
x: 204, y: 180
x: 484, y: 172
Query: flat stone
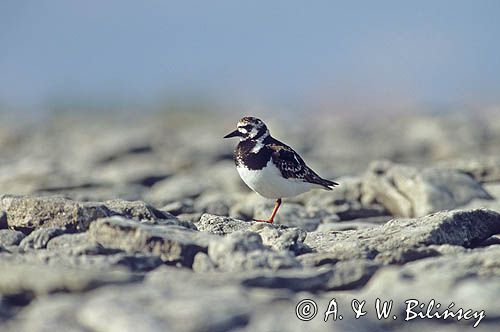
x: 38, y: 279
x: 277, y: 237
x: 26, y: 213
x: 173, y: 244
x: 401, y: 240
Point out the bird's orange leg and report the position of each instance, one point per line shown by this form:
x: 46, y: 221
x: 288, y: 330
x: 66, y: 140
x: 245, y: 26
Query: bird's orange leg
x: 276, y: 207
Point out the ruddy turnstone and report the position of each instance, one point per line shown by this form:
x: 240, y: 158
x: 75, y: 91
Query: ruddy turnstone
x: 269, y: 167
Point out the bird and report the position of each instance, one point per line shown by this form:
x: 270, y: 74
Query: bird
x: 269, y: 167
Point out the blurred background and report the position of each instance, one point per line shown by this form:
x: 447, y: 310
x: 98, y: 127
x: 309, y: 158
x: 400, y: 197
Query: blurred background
x: 279, y: 57
x: 103, y: 99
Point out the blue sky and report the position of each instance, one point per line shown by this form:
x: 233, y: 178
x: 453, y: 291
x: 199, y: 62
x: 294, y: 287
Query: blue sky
x: 315, y: 53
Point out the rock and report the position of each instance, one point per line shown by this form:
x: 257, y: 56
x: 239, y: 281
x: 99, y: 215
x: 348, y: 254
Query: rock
x: 10, y: 238
x: 408, y: 192
x: 484, y: 169
x: 137, y: 262
x: 281, y: 239
x: 244, y: 251
x: 180, y: 207
x: 79, y: 244
x: 348, y: 274
x: 202, y: 263
x: 190, y: 217
x: 53, y: 313
x: 351, y: 274
x: 26, y: 213
x: 173, y: 244
x: 293, y: 279
x: 276, y: 237
x: 401, y: 240
x: 221, y: 225
x: 351, y: 225
x: 469, y: 280
x: 39, y: 238
x: 317, y: 259
x: 136, y: 210
x: 492, y: 204
x: 156, y: 309
x: 37, y: 279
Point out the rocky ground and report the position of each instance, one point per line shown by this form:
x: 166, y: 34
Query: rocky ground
x: 144, y: 225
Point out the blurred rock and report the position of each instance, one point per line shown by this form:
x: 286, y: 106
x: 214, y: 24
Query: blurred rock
x: 408, y: 192
x: 484, y: 169
x: 36, y: 279
x: 10, y: 238
x: 39, y: 238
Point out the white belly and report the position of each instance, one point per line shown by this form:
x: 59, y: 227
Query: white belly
x: 269, y: 183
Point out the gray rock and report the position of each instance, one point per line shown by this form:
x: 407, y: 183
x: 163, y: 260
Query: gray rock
x: 48, y: 314
x: 469, y: 280
x: 78, y: 244
x: 221, y: 225
x: 351, y: 274
x: 190, y: 217
x: 280, y: 239
x: 492, y: 204
x: 244, y: 251
x: 10, y: 238
x: 39, y: 238
x: 37, y: 279
x: 173, y: 244
x: 91, y: 256
x: 276, y: 237
x: 136, y: 210
x: 403, y: 239
x: 166, y: 309
x: 408, y: 192
x: 351, y: 225
x: 203, y: 263
x: 68, y: 241
x: 294, y: 279
x: 26, y: 213
x: 180, y: 206
x: 484, y: 169
x: 317, y: 259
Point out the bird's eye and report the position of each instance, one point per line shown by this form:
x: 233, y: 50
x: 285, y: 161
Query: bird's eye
x: 248, y: 127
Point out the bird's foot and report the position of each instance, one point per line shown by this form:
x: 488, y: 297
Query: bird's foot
x: 260, y: 220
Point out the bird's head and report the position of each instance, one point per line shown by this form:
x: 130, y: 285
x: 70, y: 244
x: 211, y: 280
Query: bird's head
x: 250, y: 128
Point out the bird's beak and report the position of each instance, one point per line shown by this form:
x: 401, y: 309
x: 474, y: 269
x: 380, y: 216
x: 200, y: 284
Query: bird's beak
x: 233, y: 134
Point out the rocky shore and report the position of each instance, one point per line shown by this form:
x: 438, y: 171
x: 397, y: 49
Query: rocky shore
x: 110, y: 225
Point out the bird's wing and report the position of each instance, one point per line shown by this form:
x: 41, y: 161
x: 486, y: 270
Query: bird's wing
x: 292, y: 166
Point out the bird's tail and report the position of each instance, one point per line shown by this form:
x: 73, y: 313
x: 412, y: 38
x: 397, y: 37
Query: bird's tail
x: 326, y: 184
